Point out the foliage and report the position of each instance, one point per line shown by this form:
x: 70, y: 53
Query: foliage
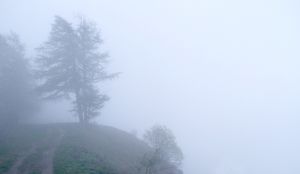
x: 162, y: 140
x: 165, y: 154
x: 70, y: 65
x: 17, y: 98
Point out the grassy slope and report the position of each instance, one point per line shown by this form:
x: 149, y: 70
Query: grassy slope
x: 17, y: 141
x: 83, y: 149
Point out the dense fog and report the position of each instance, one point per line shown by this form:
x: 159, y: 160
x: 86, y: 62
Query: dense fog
x: 222, y: 75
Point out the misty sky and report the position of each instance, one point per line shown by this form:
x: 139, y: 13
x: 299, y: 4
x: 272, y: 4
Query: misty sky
x: 223, y: 75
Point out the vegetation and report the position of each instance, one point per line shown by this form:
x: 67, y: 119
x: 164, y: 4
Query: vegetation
x: 16, y: 142
x: 82, y: 149
x: 70, y: 65
x: 165, y: 155
x: 17, y: 99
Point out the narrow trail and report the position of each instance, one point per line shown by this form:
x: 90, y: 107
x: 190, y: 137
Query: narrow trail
x: 15, y: 168
x: 45, y: 164
x: 48, y: 155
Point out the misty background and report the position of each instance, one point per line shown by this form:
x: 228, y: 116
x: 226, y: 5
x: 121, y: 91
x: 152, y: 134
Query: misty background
x: 223, y: 75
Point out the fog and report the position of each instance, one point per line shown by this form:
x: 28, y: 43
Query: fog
x: 223, y: 75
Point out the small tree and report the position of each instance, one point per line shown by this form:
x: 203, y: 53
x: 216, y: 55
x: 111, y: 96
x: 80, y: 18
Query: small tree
x: 165, y: 154
x: 70, y: 65
x: 17, y: 99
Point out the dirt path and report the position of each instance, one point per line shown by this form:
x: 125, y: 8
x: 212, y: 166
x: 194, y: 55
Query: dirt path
x: 15, y: 168
x: 45, y: 164
x: 48, y: 155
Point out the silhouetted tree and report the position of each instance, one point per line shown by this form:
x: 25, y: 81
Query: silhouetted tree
x: 165, y: 156
x: 70, y: 65
x: 17, y: 99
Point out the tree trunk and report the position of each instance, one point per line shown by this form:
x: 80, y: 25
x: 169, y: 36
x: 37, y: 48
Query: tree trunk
x: 79, y: 106
x: 147, y: 170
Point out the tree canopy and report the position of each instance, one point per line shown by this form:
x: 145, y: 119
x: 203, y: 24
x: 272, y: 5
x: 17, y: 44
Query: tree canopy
x: 165, y: 154
x: 17, y: 99
x: 71, y: 64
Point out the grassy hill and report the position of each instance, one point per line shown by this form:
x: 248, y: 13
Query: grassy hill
x: 69, y: 149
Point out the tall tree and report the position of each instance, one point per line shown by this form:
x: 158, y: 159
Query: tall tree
x: 70, y: 65
x: 16, y: 83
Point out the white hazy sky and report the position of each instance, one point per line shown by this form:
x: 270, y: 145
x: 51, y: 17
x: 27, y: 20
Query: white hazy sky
x: 223, y: 75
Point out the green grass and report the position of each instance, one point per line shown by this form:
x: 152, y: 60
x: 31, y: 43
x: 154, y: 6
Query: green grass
x: 84, y: 149
x: 16, y: 142
x: 77, y: 160
x: 98, y: 149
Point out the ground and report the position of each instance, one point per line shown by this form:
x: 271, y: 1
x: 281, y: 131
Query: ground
x: 69, y: 149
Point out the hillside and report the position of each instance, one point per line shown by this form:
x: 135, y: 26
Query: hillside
x: 69, y: 149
